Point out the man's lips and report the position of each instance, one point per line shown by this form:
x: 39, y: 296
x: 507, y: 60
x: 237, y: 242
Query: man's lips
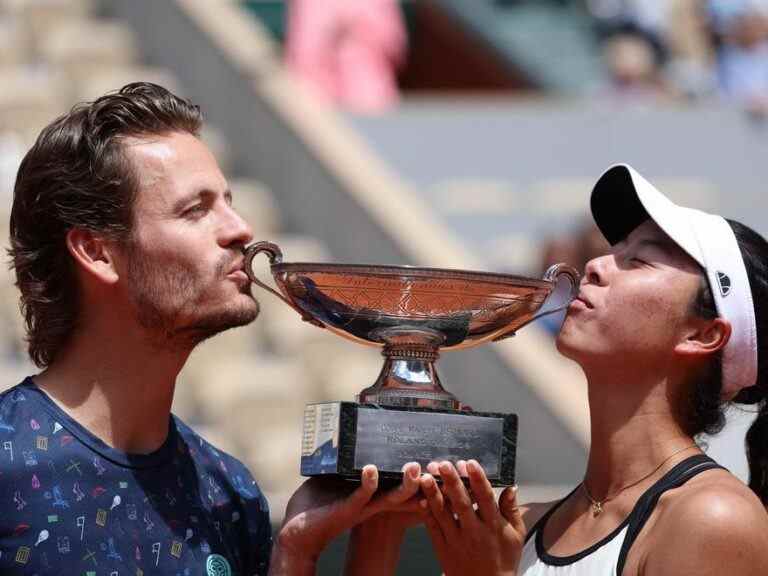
x: 239, y: 277
x: 238, y: 274
x: 237, y: 267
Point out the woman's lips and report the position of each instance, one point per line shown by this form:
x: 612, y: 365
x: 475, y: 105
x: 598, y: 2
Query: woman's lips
x: 582, y: 302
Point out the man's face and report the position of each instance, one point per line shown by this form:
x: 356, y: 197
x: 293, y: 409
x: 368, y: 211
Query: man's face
x: 184, y: 258
x: 634, y: 304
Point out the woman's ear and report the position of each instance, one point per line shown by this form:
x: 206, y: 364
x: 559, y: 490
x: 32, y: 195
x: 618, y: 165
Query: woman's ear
x: 93, y: 254
x: 705, y: 337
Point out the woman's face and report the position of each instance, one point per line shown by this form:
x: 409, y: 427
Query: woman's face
x: 634, y: 303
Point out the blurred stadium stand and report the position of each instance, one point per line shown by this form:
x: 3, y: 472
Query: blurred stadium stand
x: 505, y: 123
x: 551, y: 43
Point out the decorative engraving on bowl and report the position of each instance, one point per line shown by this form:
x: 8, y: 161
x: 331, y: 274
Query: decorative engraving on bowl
x: 413, y: 313
x: 467, y: 307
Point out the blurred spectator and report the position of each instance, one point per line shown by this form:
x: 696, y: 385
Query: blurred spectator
x: 740, y: 28
x: 646, y: 17
x: 634, y: 60
x: 347, y: 51
x: 632, y: 34
x: 656, y: 47
x: 690, y: 67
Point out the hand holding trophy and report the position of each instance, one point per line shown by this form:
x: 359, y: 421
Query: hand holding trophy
x: 412, y: 314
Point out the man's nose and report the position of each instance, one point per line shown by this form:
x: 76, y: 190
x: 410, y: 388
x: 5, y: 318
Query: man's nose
x: 235, y: 230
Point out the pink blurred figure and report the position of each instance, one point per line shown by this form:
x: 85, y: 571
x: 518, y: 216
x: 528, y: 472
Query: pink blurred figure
x: 347, y: 51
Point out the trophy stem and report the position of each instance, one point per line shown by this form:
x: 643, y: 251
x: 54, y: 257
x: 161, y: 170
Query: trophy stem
x: 408, y: 377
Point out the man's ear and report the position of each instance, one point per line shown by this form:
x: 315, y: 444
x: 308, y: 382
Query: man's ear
x: 93, y: 254
x: 705, y: 337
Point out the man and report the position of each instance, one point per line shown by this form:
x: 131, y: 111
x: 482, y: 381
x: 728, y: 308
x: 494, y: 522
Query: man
x: 128, y: 253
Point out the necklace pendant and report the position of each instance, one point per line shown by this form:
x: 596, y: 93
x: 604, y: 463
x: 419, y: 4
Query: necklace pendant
x: 597, y: 509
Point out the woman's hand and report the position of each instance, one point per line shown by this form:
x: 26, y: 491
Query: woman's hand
x: 487, y: 540
x: 374, y: 545
x: 323, y: 508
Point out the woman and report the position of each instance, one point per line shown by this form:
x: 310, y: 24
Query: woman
x: 669, y: 327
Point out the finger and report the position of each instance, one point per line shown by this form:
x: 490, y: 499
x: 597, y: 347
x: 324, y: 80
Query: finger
x: 457, y: 495
x: 483, y: 493
x: 410, y: 485
x: 410, y: 506
x: 436, y: 536
x: 392, y: 499
x: 510, y: 510
x: 437, y: 508
x: 369, y: 482
x: 461, y: 466
x: 433, y: 468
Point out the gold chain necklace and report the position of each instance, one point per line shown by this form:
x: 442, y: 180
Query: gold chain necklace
x: 597, y: 505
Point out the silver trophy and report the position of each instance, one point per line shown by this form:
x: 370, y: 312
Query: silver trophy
x: 412, y: 314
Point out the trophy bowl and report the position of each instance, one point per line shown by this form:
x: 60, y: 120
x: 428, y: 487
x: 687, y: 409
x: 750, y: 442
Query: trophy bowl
x: 412, y: 313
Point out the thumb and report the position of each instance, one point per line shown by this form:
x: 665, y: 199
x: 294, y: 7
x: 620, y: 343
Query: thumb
x: 510, y: 510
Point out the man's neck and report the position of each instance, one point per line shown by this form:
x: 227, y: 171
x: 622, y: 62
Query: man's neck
x: 633, y: 430
x: 119, y: 388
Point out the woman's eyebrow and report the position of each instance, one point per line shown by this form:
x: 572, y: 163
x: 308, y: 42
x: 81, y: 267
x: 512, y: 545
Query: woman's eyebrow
x: 664, y: 244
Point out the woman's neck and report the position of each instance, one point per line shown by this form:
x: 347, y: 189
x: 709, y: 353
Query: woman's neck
x: 634, y: 430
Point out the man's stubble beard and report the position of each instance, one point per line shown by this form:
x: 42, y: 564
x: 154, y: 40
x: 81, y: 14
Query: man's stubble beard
x: 162, y: 295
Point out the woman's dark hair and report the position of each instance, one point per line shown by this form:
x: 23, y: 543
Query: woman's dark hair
x: 706, y: 414
x: 76, y: 175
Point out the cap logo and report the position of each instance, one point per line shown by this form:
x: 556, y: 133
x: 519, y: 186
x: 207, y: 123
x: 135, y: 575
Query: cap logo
x: 724, y: 282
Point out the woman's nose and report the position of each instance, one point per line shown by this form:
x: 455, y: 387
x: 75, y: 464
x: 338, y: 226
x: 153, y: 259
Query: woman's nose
x: 594, y: 270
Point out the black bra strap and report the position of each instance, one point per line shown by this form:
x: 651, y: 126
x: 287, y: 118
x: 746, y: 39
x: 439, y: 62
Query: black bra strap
x: 645, y: 506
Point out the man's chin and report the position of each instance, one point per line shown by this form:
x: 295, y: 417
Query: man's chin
x: 207, y: 327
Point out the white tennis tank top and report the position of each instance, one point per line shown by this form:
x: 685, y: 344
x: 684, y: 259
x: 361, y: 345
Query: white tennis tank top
x: 594, y: 561
x: 608, y: 556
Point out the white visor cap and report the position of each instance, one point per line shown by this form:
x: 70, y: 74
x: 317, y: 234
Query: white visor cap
x: 622, y: 200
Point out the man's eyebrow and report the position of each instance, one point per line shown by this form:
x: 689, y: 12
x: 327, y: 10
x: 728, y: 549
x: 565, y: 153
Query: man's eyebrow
x: 181, y: 203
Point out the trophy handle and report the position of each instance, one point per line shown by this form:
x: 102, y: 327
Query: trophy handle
x: 553, y: 275
x: 275, y: 256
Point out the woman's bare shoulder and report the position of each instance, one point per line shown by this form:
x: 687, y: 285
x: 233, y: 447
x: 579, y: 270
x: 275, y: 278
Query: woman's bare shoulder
x: 713, y: 497
x: 713, y: 524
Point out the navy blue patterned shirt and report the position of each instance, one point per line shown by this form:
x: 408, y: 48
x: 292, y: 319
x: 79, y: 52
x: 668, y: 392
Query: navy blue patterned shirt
x: 73, y: 505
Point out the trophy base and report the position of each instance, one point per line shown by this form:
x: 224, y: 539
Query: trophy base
x: 342, y: 437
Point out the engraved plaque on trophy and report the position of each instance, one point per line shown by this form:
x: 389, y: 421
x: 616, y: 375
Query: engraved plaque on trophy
x: 411, y: 314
